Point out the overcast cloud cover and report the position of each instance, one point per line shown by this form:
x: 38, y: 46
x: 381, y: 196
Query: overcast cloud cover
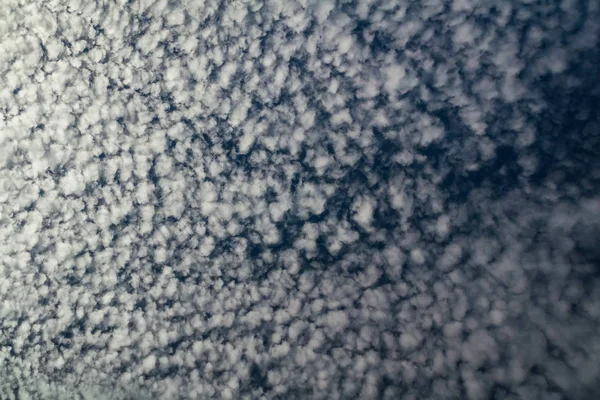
x: 299, y: 199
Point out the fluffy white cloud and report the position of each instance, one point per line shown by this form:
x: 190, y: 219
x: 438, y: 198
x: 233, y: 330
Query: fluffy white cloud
x: 299, y: 198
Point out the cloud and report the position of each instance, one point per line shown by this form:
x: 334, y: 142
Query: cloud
x: 298, y: 199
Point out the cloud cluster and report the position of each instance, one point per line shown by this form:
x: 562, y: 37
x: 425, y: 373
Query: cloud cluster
x: 299, y: 199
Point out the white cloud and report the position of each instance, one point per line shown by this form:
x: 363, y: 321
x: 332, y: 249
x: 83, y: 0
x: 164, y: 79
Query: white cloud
x: 261, y: 199
x: 408, y: 341
x: 149, y: 363
x: 364, y: 208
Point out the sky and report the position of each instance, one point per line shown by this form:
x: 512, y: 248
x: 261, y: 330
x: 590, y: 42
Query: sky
x: 299, y: 199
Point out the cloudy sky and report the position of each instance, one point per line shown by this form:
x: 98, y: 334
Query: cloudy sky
x: 299, y: 199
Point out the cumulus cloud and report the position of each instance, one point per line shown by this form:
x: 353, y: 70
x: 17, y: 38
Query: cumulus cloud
x: 299, y: 199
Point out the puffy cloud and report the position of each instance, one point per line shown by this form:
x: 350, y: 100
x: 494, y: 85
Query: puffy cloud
x: 300, y: 198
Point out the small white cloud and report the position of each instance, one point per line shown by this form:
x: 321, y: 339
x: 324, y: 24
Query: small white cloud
x: 364, y: 208
x: 149, y: 363
x: 337, y: 321
x: 417, y: 256
x: 323, y: 9
x: 409, y: 341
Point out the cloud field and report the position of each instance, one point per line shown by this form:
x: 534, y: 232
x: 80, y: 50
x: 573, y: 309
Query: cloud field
x: 299, y: 199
